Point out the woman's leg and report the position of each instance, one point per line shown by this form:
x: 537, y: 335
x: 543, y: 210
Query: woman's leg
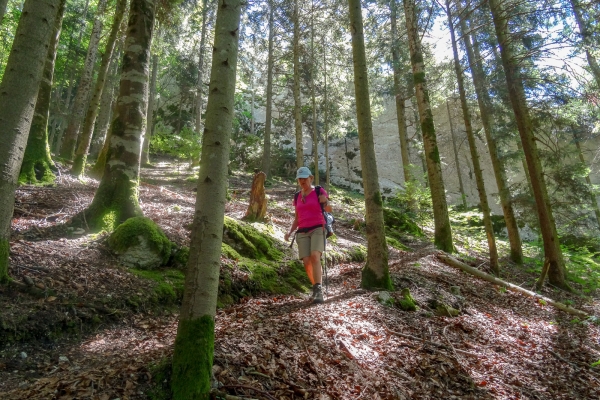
x: 308, y: 266
x: 317, y: 271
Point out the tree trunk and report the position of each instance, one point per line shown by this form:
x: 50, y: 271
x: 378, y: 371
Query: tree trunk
x: 585, y: 38
x: 483, y: 202
x: 18, y: 94
x: 37, y: 164
x: 375, y: 274
x: 105, y: 113
x: 85, y: 138
x: 3, y: 4
x: 516, y: 91
x: 443, y: 234
x: 266, y: 161
x: 116, y: 199
x: 71, y: 135
x: 71, y: 72
x: 297, y: 104
x: 483, y: 99
x: 400, y: 95
x: 201, y: 69
x: 313, y: 95
x: 194, y: 344
x: 456, y: 159
x: 150, y: 113
x: 326, y: 116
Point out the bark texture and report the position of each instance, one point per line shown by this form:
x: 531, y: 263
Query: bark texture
x: 192, y: 358
x: 443, y: 234
x: 375, y: 274
x: 116, y: 199
x: 150, y: 112
x: 37, y: 164
x: 18, y: 95
x: 516, y: 91
x: 85, y: 138
x: 71, y: 135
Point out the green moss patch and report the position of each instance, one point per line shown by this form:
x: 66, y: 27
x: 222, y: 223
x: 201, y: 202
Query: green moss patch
x: 396, y: 244
x: 249, y: 242
x: 407, y: 303
x: 169, y: 287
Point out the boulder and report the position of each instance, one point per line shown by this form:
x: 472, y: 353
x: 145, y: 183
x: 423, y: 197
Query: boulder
x: 140, y: 243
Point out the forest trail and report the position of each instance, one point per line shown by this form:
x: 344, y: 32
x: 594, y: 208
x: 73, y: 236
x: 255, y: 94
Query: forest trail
x: 503, y: 345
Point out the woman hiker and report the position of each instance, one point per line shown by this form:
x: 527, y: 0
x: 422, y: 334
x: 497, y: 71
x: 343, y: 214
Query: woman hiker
x: 311, y: 229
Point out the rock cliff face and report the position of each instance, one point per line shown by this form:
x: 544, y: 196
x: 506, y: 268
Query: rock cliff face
x: 346, y: 167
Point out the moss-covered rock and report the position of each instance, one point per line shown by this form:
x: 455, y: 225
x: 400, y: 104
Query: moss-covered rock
x: 249, y: 242
x: 140, y: 243
x: 407, y: 303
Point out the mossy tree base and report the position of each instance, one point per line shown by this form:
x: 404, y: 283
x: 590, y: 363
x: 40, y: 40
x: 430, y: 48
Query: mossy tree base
x: 115, y: 201
x: 78, y: 167
x: 193, y: 359
x: 370, y: 280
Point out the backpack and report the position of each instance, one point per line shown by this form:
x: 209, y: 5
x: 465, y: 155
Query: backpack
x: 328, y: 217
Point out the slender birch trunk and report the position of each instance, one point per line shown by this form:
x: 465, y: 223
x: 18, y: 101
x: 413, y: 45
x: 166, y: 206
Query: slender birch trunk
x: 266, y: 162
x: 498, y: 165
x: 105, y: 113
x: 443, y: 233
x: 375, y: 274
x: 297, y: 104
x: 400, y: 95
x: 18, y: 95
x: 150, y: 113
x: 37, y: 164
x: 516, y: 91
x: 456, y: 159
x: 71, y: 135
x: 326, y: 116
x: 483, y: 201
x: 85, y: 138
x: 116, y: 199
x: 194, y: 344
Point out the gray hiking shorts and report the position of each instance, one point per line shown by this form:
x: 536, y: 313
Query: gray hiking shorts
x: 310, y: 241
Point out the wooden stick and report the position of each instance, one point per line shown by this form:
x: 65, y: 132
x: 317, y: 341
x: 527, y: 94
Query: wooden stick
x: 480, y: 274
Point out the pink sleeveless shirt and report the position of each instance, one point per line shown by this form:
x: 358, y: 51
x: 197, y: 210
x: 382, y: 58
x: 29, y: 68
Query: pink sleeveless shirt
x: 309, y: 212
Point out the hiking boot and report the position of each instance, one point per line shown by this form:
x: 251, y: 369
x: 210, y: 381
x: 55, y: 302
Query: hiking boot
x: 318, y: 294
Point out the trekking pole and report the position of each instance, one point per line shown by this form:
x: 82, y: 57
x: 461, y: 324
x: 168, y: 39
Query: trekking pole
x: 325, y: 256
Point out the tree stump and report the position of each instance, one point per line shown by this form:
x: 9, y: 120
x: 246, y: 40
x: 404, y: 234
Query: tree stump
x: 257, y: 209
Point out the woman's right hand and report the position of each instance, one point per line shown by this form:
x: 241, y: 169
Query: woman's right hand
x: 287, y: 236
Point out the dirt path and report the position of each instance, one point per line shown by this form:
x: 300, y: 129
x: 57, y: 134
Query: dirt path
x: 503, y: 345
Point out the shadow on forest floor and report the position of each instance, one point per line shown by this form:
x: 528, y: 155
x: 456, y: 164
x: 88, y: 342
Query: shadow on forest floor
x: 94, y: 330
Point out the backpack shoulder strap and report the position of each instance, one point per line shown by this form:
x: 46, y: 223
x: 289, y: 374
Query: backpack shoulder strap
x: 318, y: 190
x: 296, y: 197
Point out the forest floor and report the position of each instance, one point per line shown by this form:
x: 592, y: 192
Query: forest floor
x: 503, y: 345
